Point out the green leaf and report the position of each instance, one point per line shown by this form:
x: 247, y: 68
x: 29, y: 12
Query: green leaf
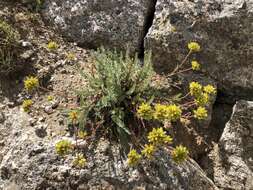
x: 131, y: 90
x: 120, y: 123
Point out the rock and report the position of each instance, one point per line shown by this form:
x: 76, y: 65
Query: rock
x: 54, y: 103
x: 41, y: 131
x: 2, y: 117
x: 33, y: 121
x: 224, y: 31
x: 233, y: 165
x: 26, y: 44
x: 113, y: 23
x: 48, y: 109
x: 27, y: 54
x: 30, y: 162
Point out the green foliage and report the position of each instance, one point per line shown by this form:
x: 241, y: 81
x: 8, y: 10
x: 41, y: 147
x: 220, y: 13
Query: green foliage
x: 35, y: 5
x: 9, y: 48
x: 114, y: 82
x: 63, y: 147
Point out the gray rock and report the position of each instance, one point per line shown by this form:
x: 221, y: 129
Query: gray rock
x: 224, y: 30
x: 2, y: 117
x: 30, y: 162
x: 233, y: 165
x: 26, y: 44
x: 27, y: 54
x: 48, y: 109
x: 111, y: 23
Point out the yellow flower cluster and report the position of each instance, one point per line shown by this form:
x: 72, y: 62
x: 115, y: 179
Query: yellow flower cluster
x: 145, y: 111
x: 202, y: 99
x: 148, y: 151
x: 79, y: 161
x: 82, y: 134
x: 161, y: 112
x: 173, y: 112
x: 70, y: 56
x: 50, y: 98
x: 158, y: 137
x: 73, y: 116
x: 31, y: 83
x: 195, y: 89
x: 180, y: 154
x: 63, y: 147
x: 194, y: 46
x: 52, y: 45
x: 201, y: 94
x: 209, y: 89
x: 195, y: 65
x: 133, y: 158
x: 200, y: 113
x: 27, y: 105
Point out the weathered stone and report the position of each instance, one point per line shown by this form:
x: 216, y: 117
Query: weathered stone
x: 224, y: 30
x: 48, y: 109
x: 30, y: 162
x: 112, y: 23
x: 233, y: 165
x: 2, y: 117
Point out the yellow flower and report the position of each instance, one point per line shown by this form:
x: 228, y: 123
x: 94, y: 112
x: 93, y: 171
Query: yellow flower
x: 160, y: 112
x: 148, y: 151
x: 79, y: 161
x: 82, y: 134
x: 133, y: 158
x: 27, y: 105
x: 202, y: 99
x: 31, y: 83
x: 180, y: 154
x: 158, y: 137
x: 70, y: 56
x: 145, y: 111
x: 200, y: 113
x: 194, y: 46
x: 63, y: 147
x: 195, y: 66
x: 195, y: 89
x: 52, y: 45
x: 173, y: 112
x: 73, y: 116
x: 209, y: 89
x: 50, y: 98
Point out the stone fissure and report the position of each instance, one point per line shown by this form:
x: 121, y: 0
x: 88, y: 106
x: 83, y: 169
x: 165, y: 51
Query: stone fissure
x: 148, y: 22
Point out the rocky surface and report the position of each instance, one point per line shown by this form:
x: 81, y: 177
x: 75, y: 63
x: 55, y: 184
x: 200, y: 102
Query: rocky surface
x: 233, y: 166
x: 30, y: 162
x: 223, y: 28
x: 112, y: 23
